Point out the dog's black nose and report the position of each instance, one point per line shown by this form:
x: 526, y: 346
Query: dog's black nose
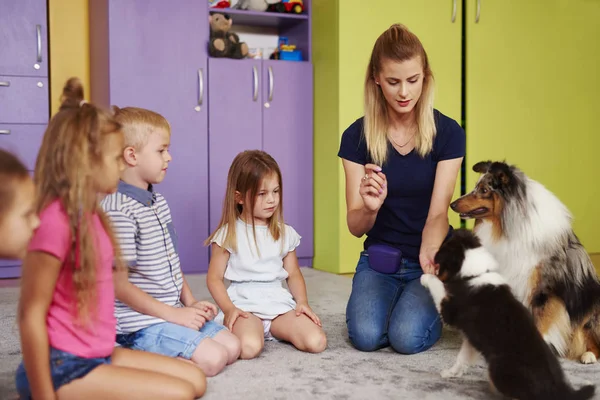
x: 453, y: 205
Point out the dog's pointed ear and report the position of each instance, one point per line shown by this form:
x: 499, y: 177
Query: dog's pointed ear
x: 482, y: 166
x: 502, y: 173
x: 502, y: 177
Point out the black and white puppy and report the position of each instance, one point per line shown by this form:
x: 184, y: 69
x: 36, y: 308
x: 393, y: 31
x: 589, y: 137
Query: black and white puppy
x: 476, y: 300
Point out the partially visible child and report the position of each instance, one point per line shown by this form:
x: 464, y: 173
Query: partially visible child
x: 66, y: 308
x: 18, y: 218
x: 156, y: 310
x: 255, y: 250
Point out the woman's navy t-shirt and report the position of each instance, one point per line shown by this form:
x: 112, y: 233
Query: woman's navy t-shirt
x: 401, y: 218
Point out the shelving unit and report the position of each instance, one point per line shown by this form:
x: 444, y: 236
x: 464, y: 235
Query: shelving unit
x: 296, y: 27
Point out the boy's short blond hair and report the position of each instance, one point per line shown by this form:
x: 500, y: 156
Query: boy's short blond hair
x: 138, y: 123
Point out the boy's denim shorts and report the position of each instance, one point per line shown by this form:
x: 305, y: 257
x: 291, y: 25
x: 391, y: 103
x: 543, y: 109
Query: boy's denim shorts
x: 169, y: 339
x: 64, y: 368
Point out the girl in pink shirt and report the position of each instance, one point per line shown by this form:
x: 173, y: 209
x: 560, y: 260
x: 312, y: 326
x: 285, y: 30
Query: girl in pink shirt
x: 66, y: 309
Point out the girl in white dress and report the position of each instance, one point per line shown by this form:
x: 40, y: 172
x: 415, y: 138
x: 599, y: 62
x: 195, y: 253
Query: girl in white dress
x: 256, y: 256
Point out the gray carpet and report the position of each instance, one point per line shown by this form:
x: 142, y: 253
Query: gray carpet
x: 340, y: 372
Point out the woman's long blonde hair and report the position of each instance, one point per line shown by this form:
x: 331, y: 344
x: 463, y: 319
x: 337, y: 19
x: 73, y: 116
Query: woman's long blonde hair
x: 245, y: 176
x: 71, y: 148
x: 396, y: 44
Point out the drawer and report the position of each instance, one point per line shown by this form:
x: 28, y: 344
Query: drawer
x: 24, y: 100
x: 22, y: 140
x: 9, y: 263
x: 10, y: 269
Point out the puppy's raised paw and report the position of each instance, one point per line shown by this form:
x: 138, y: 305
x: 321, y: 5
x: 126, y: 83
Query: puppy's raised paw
x: 426, y: 278
x: 588, y: 358
x: 456, y: 371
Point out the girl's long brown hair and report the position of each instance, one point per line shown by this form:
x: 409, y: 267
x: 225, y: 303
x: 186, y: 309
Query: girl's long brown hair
x: 245, y: 176
x: 71, y: 148
x: 397, y: 44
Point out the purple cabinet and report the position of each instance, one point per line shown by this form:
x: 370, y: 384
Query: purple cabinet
x: 149, y: 53
x: 235, y: 121
x: 287, y: 136
x: 23, y: 100
x: 24, y: 38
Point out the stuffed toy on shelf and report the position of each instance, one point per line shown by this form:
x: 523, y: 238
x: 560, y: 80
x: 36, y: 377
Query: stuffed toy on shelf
x: 223, y: 42
x: 254, y: 5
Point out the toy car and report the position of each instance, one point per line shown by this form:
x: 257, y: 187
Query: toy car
x: 289, y: 6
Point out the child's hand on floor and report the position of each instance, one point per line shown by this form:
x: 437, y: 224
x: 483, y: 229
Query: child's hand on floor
x: 231, y: 316
x: 304, y: 308
x: 209, y: 308
x: 189, y: 317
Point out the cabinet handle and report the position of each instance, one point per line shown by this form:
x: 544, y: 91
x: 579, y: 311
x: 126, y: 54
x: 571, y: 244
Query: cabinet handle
x: 255, y: 83
x: 39, y: 42
x: 4, y: 131
x: 270, y: 83
x: 200, y: 86
x: 5, y: 83
x: 478, y: 11
x: 453, y: 11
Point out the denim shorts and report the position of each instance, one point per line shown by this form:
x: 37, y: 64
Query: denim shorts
x: 169, y: 339
x: 64, y: 368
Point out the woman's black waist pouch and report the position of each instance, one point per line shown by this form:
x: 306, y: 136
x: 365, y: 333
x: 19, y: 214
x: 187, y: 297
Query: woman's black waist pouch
x: 385, y: 259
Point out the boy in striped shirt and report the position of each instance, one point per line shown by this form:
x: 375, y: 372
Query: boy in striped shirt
x: 155, y: 308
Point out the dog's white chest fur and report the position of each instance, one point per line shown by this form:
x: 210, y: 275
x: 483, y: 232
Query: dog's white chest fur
x: 531, y: 232
x: 516, y: 261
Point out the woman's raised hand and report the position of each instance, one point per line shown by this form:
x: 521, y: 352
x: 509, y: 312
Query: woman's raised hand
x: 373, y: 187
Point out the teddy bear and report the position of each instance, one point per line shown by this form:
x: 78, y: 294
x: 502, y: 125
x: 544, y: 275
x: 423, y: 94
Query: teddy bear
x: 224, y: 43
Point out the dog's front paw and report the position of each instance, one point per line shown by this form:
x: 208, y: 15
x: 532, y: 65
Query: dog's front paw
x: 456, y: 371
x: 426, y: 278
x: 588, y: 358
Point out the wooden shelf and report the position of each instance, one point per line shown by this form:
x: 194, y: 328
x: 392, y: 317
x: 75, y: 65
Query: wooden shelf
x: 257, y: 18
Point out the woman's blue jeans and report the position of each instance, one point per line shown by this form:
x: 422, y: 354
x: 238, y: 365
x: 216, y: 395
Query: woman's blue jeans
x: 391, y: 309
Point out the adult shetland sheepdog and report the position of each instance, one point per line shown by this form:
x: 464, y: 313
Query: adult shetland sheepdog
x: 528, y: 230
x: 471, y: 296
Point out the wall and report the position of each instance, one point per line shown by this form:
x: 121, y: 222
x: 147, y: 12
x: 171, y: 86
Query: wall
x: 69, y: 46
x: 328, y: 218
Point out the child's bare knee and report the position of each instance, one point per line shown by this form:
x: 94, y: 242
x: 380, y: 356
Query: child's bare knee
x: 211, y: 359
x: 216, y: 362
x: 198, y: 382
x: 183, y: 391
x: 316, y: 343
x: 234, y: 349
x: 251, y: 348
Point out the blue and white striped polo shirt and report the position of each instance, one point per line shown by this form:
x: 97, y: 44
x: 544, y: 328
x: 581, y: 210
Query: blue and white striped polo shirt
x: 143, y: 226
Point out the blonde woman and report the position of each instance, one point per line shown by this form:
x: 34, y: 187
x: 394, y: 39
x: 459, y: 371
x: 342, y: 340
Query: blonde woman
x: 401, y: 162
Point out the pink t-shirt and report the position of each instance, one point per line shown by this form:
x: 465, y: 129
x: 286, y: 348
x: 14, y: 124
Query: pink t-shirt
x: 97, y: 338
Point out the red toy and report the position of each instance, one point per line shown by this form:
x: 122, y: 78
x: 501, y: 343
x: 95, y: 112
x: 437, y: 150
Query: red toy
x: 289, y: 6
x: 219, y: 3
